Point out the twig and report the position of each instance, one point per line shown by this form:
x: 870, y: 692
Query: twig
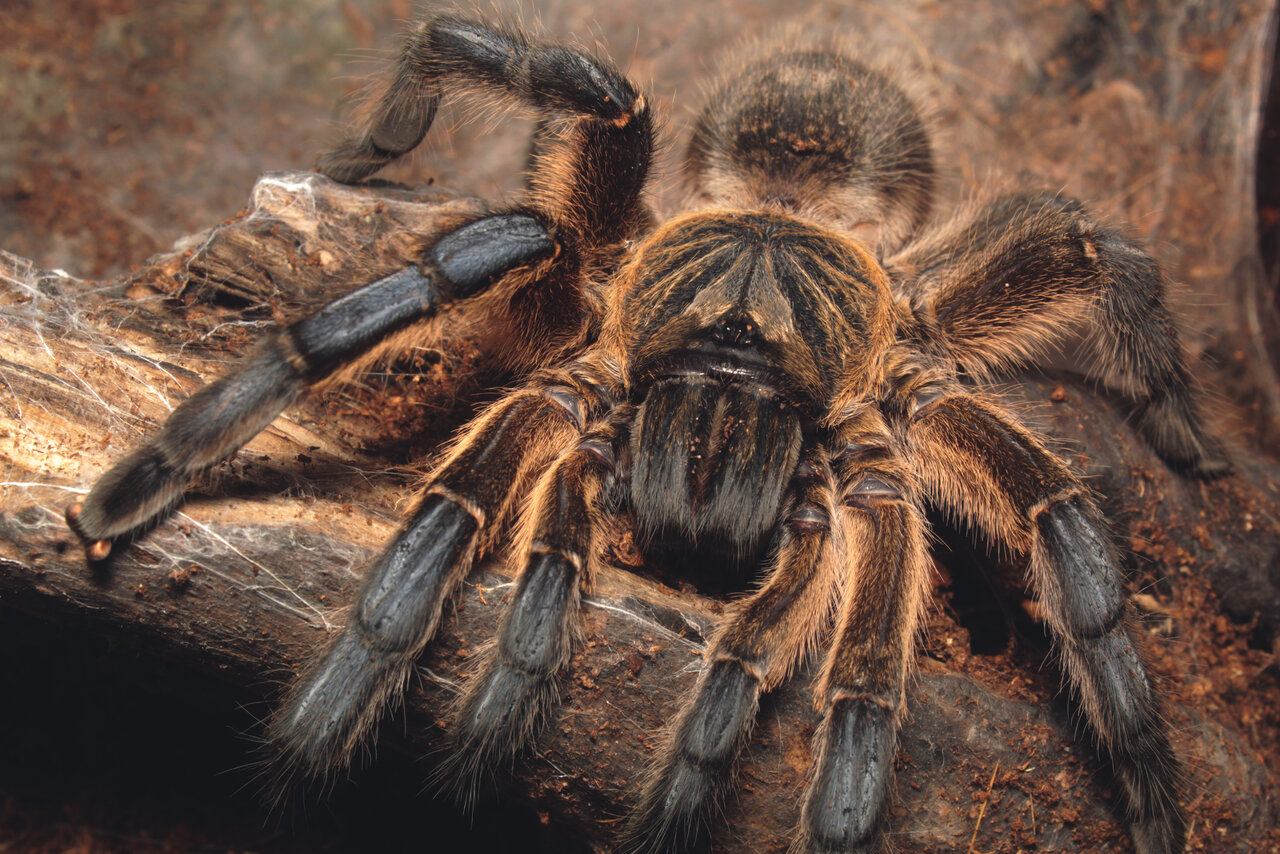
x: 983, y: 809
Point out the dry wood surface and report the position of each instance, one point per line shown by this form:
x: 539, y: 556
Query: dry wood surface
x: 249, y: 575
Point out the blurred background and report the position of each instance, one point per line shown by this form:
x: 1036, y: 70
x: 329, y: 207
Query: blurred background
x: 128, y: 125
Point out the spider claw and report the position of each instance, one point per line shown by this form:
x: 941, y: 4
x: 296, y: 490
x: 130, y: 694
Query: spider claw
x: 95, y: 551
x: 98, y: 550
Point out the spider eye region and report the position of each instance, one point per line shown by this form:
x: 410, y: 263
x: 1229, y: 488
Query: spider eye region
x: 765, y: 293
x: 736, y: 330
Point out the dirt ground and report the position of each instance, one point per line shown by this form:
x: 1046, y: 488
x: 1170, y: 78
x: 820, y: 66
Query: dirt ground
x: 129, y: 127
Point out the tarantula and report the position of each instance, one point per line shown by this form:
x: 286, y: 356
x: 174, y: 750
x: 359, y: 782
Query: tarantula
x: 787, y: 375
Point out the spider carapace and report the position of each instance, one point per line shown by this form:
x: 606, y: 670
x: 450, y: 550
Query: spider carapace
x: 737, y: 330
x: 790, y: 372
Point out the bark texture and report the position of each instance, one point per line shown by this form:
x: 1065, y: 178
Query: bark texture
x: 250, y: 573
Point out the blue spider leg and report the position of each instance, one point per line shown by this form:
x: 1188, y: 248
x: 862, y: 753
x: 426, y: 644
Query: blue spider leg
x: 218, y: 419
x: 979, y: 465
x: 342, y: 693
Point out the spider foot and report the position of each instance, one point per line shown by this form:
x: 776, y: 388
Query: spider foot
x: 95, y: 550
x: 1174, y: 430
x: 697, y: 763
x: 315, y: 731
x: 498, y: 715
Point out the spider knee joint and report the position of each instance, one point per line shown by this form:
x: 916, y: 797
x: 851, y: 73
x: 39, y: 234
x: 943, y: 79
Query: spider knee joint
x: 569, y: 402
x: 873, y: 490
x: 600, y: 452
x: 809, y: 518
x: 861, y: 451
x: 925, y: 400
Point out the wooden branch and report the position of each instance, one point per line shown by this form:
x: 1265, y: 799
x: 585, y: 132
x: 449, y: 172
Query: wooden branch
x: 249, y: 575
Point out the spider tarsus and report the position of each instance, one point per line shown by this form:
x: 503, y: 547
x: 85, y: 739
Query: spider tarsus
x: 1151, y: 781
x: 853, y: 766
x: 1163, y: 829
x: 1171, y: 425
x: 400, y: 123
x: 134, y: 491
x: 1209, y: 467
x: 317, y: 727
x: 674, y: 812
x: 353, y: 161
x: 1161, y: 835
x: 330, y: 709
x: 696, y: 765
x: 498, y: 716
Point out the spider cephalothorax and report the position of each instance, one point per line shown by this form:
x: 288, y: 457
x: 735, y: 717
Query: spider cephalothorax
x: 734, y: 331
x: 788, y: 375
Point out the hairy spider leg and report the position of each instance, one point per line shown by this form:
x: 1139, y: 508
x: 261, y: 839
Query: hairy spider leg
x: 862, y: 688
x: 341, y: 694
x: 590, y: 181
x: 592, y: 154
x: 1002, y: 285
x: 587, y: 181
x: 221, y: 417
x: 448, y: 51
x: 765, y: 637
x: 981, y: 466
x: 504, y: 704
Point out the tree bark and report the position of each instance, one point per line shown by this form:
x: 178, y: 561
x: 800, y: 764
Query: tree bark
x: 253, y: 571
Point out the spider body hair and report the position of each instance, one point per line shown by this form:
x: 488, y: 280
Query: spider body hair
x: 790, y: 374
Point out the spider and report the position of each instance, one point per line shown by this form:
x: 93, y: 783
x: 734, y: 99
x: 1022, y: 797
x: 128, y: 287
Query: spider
x: 783, y: 377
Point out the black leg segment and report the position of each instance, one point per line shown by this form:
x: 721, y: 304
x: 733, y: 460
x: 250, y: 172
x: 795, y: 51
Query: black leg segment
x: 209, y: 426
x: 449, y: 53
x: 768, y: 634
x: 334, y: 703
x: 1038, y: 507
x: 338, y: 698
x: 1077, y: 577
x: 856, y: 747
x: 507, y: 701
x: 219, y: 418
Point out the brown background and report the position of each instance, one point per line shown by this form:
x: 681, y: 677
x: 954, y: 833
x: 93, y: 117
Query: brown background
x: 127, y: 128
